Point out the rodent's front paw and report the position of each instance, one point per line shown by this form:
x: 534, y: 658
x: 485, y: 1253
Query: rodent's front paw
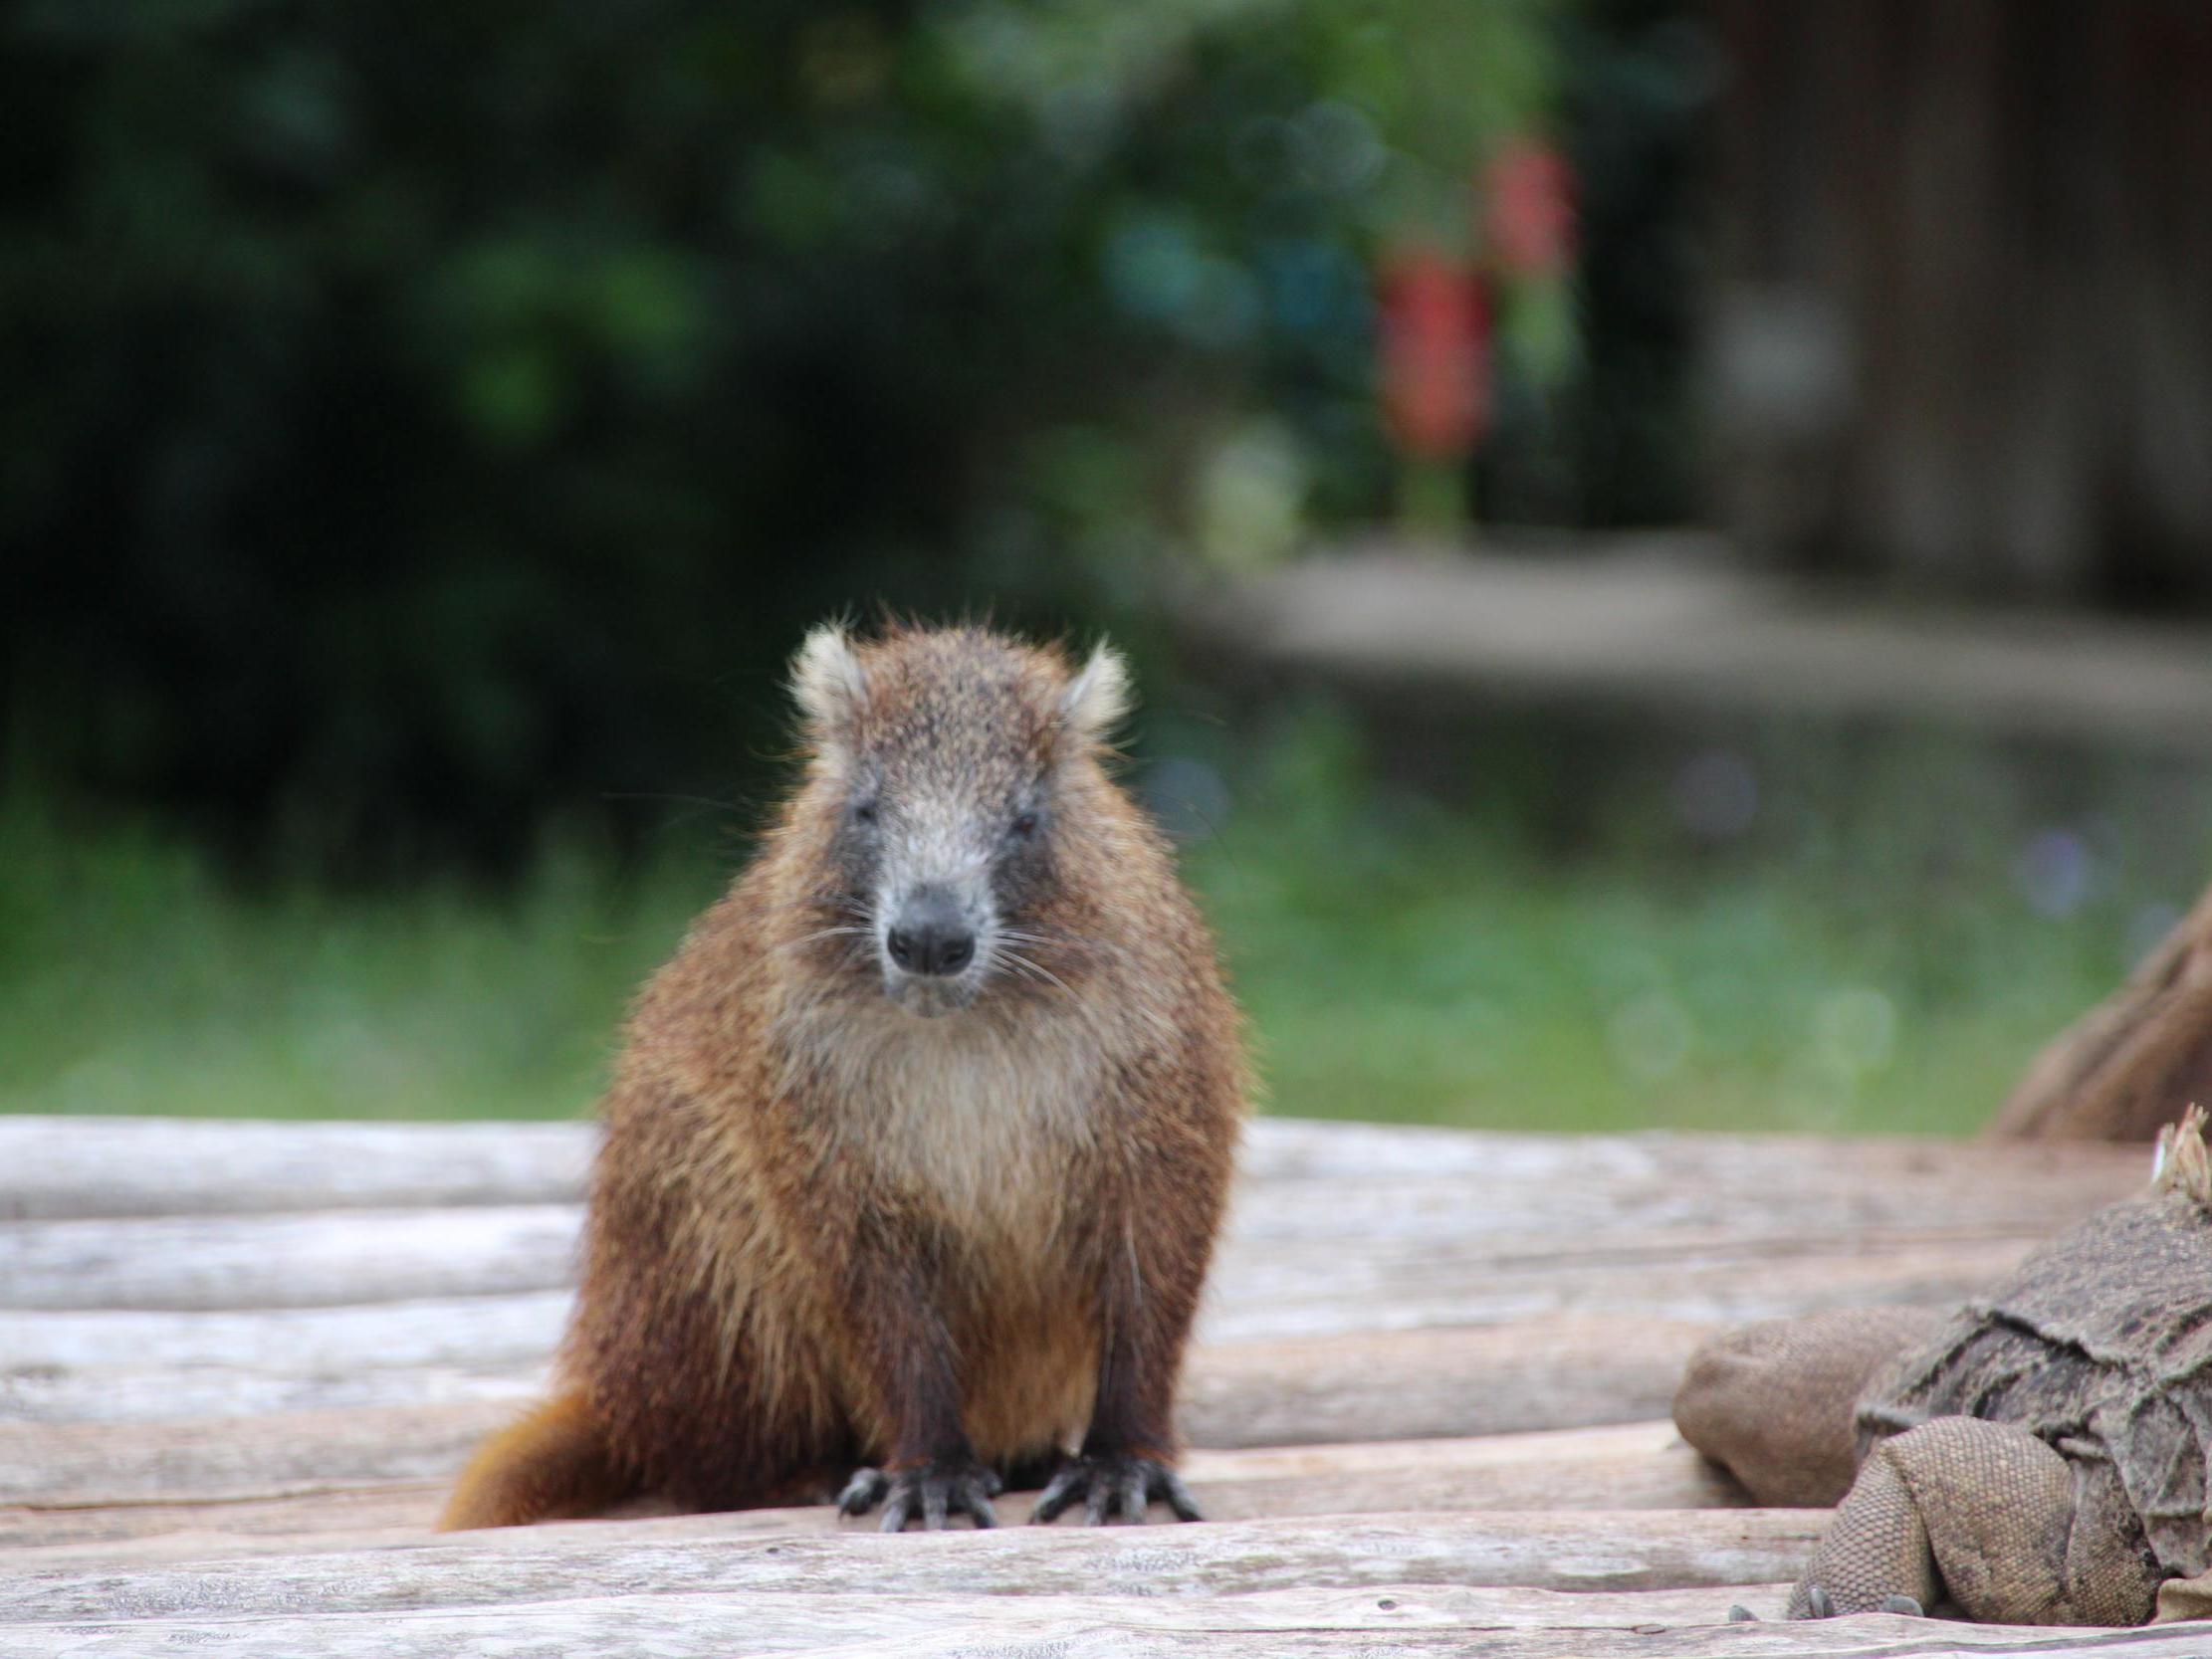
x: 1114, y: 1484
x: 936, y: 1491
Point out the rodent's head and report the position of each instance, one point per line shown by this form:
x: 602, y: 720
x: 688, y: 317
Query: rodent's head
x: 945, y: 767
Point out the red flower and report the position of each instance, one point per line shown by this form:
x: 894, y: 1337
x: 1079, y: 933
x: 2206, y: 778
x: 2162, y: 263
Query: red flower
x: 1435, y: 356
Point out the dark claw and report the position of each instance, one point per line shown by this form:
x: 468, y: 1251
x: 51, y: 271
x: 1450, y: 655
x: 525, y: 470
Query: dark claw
x: 935, y: 1492
x: 1134, y: 1491
x: 1177, y: 1496
x: 1738, y: 1613
x: 864, y: 1492
x: 898, y: 1509
x: 1818, y: 1604
x: 1902, y: 1604
x: 1114, y: 1485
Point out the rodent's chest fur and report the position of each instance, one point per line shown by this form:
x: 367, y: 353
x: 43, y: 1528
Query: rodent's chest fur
x: 979, y: 1121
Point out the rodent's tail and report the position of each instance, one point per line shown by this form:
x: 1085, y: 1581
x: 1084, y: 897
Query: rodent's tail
x: 554, y: 1465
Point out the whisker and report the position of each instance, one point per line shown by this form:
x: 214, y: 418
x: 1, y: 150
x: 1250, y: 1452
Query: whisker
x: 1018, y: 970
x: 1082, y: 1008
x: 1017, y: 959
x: 1064, y: 941
x: 826, y: 933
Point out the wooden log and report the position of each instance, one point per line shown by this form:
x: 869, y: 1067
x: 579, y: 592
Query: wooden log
x: 1499, y: 1607
x: 388, y: 1514
x: 1635, y: 1188
x: 1550, y: 1372
x: 286, y: 1261
x: 1631, y: 1466
x: 79, y: 1464
x: 812, y: 1622
x: 1583, y: 1549
x: 476, y: 1331
x: 119, y: 1366
x: 696, y: 1623
x: 2133, y: 1063
x: 54, y: 1168
x: 1635, y: 1181
x: 1327, y: 1289
x: 1405, y: 1385
x: 1556, y: 1372
x: 217, y: 1394
x: 1414, y: 1621
x: 59, y: 1168
x: 1264, y: 1285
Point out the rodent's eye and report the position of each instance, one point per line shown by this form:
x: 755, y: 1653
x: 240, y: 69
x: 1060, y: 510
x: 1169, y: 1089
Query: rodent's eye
x: 865, y: 812
x: 1025, y: 825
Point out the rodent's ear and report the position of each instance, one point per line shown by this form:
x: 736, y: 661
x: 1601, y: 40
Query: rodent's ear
x: 1098, y: 698
x: 827, y: 682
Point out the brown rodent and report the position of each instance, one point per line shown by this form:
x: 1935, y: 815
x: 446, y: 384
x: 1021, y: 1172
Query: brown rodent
x: 916, y: 1152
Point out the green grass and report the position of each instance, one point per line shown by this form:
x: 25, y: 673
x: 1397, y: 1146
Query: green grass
x: 1910, y: 920
x: 133, y: 978
x: 1885, y: 950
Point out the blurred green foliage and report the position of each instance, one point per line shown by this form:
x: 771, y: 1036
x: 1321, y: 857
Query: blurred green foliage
x: 1896, y: 929
x: 1876, y: 932
x: 423, y: 419
x: 428, y: 404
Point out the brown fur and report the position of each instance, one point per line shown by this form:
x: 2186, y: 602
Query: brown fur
x: 824, y: 1231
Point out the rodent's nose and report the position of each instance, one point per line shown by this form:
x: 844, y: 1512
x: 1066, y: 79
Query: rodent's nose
x: 930, y: 936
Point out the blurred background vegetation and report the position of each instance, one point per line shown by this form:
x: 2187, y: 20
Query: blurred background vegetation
x: 429, y: 427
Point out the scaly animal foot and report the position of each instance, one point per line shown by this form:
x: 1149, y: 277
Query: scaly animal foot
x: 1114, y: 1484
x: 1818, y: 1603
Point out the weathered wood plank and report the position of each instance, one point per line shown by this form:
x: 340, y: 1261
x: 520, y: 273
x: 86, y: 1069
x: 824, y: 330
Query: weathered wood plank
x: 390, y: 1515
x: 1330, y: 1287
x: 1262, y: 1286
x: 188, y: 1263
x: 275, y: 1396
x: 80, y: 1464
x: 469, y: 1333
x: 1631, y: 1466
x: 1409, y: 1621
x: 1292, y: 1586
x: 1548, y: 1372
x: 57, y: 1169
x: 65, y: 1366
x: 1582, y: 1549
x: 1603, y: 1359
x: 1554, y: 1373
x: 1406, y: 1607
x: 1405, y: 1385
x: 54, y: 1168
x: 216, y: 1394
x: 1482, y: 1185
